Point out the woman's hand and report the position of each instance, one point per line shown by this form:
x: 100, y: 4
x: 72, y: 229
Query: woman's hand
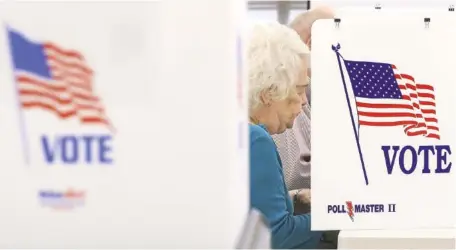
x: 304, y: 196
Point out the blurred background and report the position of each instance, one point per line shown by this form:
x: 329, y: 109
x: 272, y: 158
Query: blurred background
x: 285, y: 11
x: 282, y: 11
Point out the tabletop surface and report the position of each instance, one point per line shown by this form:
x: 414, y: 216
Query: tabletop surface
x: 411, y: 233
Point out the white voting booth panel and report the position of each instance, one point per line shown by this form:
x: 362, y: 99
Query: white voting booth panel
x: 382, y: 98
x: 118, y: 129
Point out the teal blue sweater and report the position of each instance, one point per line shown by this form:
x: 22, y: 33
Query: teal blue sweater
x: 268, y: 193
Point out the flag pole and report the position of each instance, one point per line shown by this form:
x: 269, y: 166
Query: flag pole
x: 23, y: 131
x: 336, y: 50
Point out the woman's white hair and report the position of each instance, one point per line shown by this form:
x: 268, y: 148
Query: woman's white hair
x: 275, y: 60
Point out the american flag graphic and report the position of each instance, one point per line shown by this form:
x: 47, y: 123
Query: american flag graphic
x: 386, y: 97
x: 55, y: 79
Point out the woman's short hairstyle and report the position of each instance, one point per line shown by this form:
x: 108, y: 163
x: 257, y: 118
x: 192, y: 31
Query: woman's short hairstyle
x: 275, y: 60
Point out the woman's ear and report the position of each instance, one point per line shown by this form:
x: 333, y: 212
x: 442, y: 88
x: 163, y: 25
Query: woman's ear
x: 265, y: 98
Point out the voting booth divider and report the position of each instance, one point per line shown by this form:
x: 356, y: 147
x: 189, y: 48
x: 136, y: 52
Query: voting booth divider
x: 122, y: 124
x: 383, y: 110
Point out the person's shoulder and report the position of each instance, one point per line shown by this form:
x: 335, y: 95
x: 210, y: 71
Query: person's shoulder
x: 263, y: 151
x: 260, y: 139
x: 258, y: 132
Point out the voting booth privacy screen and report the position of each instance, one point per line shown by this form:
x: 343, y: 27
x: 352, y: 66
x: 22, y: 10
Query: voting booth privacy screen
x: 383, y: 121
x: 101, y: 132
x: 72, y: 109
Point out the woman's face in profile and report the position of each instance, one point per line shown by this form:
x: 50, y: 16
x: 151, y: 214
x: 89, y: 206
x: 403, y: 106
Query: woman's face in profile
x: 286, y: 111
x: 289, y: 108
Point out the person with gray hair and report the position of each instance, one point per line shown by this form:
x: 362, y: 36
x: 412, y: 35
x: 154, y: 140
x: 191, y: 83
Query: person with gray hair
x: 276, y: 56
x: 303, y: 25
x: 294, y: 144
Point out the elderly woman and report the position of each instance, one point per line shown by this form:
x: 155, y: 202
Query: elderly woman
x: 276, y: 57
x: 294, y: 144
